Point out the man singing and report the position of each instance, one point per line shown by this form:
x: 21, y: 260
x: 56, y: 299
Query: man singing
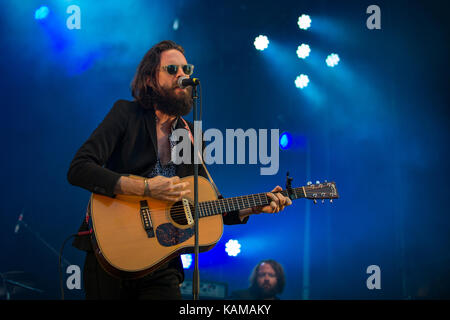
x: 134, y: 139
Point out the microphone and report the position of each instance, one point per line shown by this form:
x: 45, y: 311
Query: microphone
x: 184, y: 82
x: 19, y: 221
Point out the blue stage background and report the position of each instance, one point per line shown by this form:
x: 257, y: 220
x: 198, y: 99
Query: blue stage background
x: 377, y: 124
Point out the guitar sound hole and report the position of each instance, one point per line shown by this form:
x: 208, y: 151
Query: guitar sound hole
x: 177, y: 213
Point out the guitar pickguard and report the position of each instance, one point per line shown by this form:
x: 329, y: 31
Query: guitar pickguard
x: 168, y: 235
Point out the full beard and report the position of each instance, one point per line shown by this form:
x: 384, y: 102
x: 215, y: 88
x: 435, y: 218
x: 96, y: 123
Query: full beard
x: 264, y: 293
x: 268, y: 292
x: 169, y: 103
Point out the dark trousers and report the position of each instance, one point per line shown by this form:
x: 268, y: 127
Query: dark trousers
x: 99, y: 285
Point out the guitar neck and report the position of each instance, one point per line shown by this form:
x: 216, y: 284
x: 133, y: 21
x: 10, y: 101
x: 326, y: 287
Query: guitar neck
x: 220, y: 206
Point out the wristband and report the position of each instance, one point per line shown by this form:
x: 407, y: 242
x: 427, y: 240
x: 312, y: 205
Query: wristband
x: 146, y: 188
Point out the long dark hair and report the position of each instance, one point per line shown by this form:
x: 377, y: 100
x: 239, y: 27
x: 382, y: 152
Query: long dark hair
x: 281, y: 281
x: 147, y: 68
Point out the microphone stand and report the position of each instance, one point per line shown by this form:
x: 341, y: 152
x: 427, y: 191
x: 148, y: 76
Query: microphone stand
x: 196, y: 276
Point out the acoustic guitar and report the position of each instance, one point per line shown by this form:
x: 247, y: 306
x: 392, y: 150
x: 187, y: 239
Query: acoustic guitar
x: 134, y: 235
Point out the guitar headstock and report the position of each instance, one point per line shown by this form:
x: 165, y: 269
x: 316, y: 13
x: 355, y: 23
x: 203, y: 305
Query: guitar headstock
x: 326, y: 190
x: 321, y: 191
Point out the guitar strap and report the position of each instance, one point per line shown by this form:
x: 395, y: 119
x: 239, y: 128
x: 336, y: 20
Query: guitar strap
x: 201, y: 159
x: 88, y: 211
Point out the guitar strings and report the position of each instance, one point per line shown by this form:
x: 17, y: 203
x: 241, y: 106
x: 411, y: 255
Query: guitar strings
x: 226, y: 201
x: 207, y: 207
x: 217, y: 206
x: 220, y: 203
x: 204, y: 208
x: 212, y: 205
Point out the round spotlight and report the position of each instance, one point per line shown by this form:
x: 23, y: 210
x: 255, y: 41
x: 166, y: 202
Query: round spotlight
x: 304, y: 22
x: 261, y: 42
x: 233, y: 247
x: 186, y: 259
x: 303, y: 51
x: 41, y: 13
x: 332, y: 60
x: 176, y: 24
x: 285, y: 140
x: 302, y: 81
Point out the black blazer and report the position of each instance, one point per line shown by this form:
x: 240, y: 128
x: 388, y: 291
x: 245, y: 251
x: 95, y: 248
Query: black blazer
x: 124, y: 143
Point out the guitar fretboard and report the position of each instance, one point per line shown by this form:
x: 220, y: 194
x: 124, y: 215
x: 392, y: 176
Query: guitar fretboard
x: 220, y: 206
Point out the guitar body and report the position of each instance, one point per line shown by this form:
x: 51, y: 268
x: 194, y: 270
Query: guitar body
x: 126, y: 249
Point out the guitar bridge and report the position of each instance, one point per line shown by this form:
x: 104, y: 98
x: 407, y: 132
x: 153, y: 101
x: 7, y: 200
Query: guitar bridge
x: 187, y: 212
x: 146, y: 219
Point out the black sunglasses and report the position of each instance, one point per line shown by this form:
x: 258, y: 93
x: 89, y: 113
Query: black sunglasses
x: 172, y: 69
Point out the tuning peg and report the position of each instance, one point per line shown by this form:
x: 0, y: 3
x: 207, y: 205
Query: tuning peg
x: 309, y: 183
x: 323, y: 200
x: 315, y: 201
x: 331, y: 200
x: 317, y: 182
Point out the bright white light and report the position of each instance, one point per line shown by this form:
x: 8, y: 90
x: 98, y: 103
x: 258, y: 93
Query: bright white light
x: 301, y: 81
x: 303, y: 51
x: 41, y: 13
x: 332, y: 60
x: 304, y: 22
x: 261, y: 42
x: 176, y: 24
x: 186, y: 259
x: 233, y: 248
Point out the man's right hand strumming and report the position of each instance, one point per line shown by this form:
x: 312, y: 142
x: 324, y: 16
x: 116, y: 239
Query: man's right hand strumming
x: 162, y: 188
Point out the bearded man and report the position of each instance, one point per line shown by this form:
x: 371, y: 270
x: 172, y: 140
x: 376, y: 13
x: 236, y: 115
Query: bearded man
x: 134, y: 139
x: 267, y: 281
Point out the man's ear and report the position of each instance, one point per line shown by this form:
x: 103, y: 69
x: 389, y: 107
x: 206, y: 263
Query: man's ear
x: 150, y: 84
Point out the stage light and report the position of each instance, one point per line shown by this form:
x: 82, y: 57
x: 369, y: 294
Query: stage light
x: 233, y: 247
x: 301, y: 81
x: 304, y: 22
x: 332, y: 60
x: 303, y: 51
x: 285, y: 140
x: 41, y: 13
x: 261, y: 42
x: 176, y: 24
x: 186, y: 259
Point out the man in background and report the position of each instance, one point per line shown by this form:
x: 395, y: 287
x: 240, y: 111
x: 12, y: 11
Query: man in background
x: 266, y: 282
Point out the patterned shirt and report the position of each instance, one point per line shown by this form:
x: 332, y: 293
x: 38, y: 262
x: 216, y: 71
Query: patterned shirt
x: 168, y: 170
